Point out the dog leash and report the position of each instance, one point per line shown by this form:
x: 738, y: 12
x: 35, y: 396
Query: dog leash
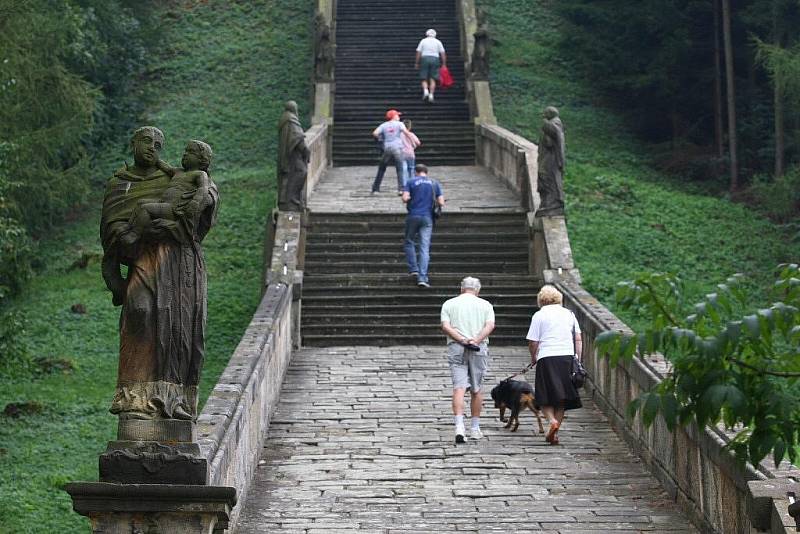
x: 527, y: 368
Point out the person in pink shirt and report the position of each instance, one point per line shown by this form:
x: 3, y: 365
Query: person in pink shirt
x: 410, y: 142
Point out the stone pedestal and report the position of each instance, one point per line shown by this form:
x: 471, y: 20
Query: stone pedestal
x: 154, y: 451
x: 161, y: 508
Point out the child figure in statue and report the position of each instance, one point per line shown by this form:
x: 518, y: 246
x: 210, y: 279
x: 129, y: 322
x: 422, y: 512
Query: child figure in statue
x: 182, y: 200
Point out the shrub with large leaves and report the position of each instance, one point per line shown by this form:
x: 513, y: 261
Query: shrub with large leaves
x: 731, y: 362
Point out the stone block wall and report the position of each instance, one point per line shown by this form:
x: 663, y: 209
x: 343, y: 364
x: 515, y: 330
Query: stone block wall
x: 317, y: 143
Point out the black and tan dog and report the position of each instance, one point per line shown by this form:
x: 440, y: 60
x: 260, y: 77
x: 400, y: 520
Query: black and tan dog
x: 515, y: 395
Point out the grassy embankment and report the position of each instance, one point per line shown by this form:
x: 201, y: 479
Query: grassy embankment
x: 222, y: 76
x: 624, y: 216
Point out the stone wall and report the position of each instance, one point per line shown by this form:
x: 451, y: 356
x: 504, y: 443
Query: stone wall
x: 236, y: 416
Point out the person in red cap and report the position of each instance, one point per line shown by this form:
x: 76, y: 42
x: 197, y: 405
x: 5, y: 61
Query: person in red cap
x: 391, y: 133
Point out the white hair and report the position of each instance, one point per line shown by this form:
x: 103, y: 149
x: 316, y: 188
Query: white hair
x: 430, y: 33
x: 470, y: 282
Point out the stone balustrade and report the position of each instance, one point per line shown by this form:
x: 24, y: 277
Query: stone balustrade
x: 512, y: 158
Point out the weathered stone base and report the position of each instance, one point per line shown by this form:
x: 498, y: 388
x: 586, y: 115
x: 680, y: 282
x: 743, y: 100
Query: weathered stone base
x: 150, y: 462
x: 163, y: 430
x: 162, y: 508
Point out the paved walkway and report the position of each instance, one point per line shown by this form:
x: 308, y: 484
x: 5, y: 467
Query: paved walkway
x: 362, y: 441
x: 467, y: 189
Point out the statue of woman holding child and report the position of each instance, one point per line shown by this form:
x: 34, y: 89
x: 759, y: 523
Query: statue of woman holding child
x: 153, y: 221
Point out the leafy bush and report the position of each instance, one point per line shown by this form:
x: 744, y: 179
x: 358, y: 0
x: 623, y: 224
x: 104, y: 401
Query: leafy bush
x: 730, y: 363
x: 15, y: 244
x: 779, y: 197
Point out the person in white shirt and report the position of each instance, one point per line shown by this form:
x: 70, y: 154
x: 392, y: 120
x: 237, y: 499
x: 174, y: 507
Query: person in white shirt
x: 467, y: 320
x: 430, y: 57
x: 554, y: 339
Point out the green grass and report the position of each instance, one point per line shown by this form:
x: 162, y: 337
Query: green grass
x: 624, y: 216
x: 222, y: 77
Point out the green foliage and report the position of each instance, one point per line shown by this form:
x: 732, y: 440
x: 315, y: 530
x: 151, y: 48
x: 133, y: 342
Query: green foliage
x: 624, y: 215
x: 194, y: 92
x: 15, y: 245
x: 730, y: 362
x: 778, y: 197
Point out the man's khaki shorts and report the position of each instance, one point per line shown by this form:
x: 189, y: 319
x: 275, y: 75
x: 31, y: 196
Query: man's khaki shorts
x: 467, y: 367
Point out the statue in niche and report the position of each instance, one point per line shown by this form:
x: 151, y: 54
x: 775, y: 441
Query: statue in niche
x: 552, y: 150
x: 293, y: 158
x: 324, y: 50
x: 153, y: 221
x: 480, y: 51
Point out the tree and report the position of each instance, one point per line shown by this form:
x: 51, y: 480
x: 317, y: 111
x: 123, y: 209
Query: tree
x: 781, y: 60
x: 731, y: 94
x: 730, y: 364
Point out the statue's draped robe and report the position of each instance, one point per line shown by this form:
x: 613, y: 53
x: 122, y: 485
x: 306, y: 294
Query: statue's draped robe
x: 551, y: 165
x: 164, y: 310
x: 292, y: 164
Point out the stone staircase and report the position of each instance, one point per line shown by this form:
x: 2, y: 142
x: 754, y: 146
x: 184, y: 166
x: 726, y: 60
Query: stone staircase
x: 376, y: 42
x: 356, y: 290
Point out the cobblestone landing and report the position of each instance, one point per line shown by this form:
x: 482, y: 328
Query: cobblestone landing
x: 362, y: 441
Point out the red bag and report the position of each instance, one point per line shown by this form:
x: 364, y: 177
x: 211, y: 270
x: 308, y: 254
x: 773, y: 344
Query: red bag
x: 445, y: 78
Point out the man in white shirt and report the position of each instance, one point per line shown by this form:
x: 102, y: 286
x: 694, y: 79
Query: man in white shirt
x: 430, y: 57
x: 467, y: 320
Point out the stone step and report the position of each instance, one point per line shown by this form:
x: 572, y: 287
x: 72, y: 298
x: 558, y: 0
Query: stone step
x: 437, y: 246
x: 488, y: 280
x: 380, y: 340
x: 408, y: 295
x: 387, y: 309
x: 433, y: 317
x: 400, y: 267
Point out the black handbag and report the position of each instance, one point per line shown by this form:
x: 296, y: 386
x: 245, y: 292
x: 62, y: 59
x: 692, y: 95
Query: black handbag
x: 436, y: 211
x: 578, y: 373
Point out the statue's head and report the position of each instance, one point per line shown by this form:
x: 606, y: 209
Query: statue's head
x: 290, y: 105
x: 197, y: 155
x: 550, y: 112
x: 146, y: 145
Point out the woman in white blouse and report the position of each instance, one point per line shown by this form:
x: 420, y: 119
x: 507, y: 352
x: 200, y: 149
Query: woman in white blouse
x: 554, y: 338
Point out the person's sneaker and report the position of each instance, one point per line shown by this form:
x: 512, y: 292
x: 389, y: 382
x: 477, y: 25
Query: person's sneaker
x: 475, y: 433
x: 430, y: 98
x: 460, y: 434
x: 423, y: 283
x: 425, y: 97
x: 415, y: 274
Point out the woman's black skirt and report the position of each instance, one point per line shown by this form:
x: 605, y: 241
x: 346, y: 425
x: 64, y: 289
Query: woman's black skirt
x: 554, y: 383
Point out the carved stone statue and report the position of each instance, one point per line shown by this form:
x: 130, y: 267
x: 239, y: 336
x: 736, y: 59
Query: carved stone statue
x: 324, y: 50
x: 480, y: 52
x: 552, y: 150
x: 153, y: 221
x: 293, y: 157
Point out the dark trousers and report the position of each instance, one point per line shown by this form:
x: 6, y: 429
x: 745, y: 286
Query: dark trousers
x: 390, y: 156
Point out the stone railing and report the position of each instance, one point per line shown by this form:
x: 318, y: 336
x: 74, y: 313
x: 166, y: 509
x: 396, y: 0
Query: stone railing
x: 512, y: 158
x: 235, y: 418
x: 317, y: 143
x: 692, y: 465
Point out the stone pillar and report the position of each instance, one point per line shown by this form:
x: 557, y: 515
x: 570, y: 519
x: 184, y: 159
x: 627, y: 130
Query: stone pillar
x: 161, y: 508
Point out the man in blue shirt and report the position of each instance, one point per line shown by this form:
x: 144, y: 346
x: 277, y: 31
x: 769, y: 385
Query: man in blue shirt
x: 420, y: 194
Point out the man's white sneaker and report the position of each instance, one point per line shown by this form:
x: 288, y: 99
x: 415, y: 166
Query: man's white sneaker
x: 430, y: 97
x: 475, y: 433
x: 460, y: 433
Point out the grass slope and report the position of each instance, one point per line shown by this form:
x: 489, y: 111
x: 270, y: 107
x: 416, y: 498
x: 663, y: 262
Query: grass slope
x: 623, y: 215
x: 225, y: 71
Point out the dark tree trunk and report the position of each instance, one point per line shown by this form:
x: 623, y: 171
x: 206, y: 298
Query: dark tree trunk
x: 777, y: 35
x: 731, y: 94
x: 718, y: 126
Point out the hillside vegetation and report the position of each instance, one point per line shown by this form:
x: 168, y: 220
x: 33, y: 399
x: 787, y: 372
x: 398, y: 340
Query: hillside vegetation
x: 624, y: 215
x: 221, y: 75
